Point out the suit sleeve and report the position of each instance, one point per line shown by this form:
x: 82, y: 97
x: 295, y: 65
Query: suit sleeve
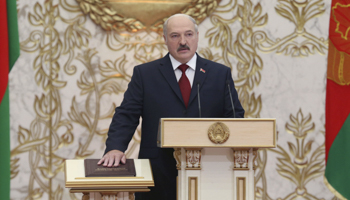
x: 126, y: 117
x: 239, y: 111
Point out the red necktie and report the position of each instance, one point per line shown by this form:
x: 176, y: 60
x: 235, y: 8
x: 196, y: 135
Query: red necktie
x: 184, y: 84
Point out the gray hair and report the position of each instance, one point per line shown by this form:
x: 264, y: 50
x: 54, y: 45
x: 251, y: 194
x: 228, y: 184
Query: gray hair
x: 165, y: 25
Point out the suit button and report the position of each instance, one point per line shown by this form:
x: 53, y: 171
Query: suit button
x: 184, y: 112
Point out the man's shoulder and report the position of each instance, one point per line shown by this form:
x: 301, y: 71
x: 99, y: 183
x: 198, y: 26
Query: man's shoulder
x: 154, y: 63
x: 212, y: 64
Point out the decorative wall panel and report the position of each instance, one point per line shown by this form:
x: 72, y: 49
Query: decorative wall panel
x: 77, y: 58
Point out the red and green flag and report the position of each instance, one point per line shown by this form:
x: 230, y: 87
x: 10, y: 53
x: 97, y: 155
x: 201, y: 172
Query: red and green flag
x: 338, y: 100
x: 9, y: 52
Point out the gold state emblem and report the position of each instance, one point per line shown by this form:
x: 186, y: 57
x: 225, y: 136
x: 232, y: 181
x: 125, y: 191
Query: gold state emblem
x: 218, y: 133
x: 138, y: 15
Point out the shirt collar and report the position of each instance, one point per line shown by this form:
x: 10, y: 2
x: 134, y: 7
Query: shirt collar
x: 191, y: 63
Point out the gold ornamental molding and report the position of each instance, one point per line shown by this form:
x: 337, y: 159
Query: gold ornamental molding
x: 241, y: 188
x: 177, y: 156
x: 302, y: 160
x: 301, y: 42
x: 241, y: 159
x: 218, y: 133
x: 193, y: 188
x: 143, y: 15
x: 193, y: 158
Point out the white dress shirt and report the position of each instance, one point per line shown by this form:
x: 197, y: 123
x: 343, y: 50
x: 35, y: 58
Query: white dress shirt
x: 189, y: 72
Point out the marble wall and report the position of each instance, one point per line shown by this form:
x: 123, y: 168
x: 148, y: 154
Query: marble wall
x: 72, y: 72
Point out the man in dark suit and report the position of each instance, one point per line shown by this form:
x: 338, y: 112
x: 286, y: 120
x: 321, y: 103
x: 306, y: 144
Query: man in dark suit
x: 154, y: 92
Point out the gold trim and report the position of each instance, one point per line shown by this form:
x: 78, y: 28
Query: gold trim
x: 218, y: 119
x: 242, y: 169
x: 162, y: 132
x: 108, y: 194
x: 330, y: 187
x: 87, y: 178
x: 341, y: 68
x: 241, y: 149
x: 238, y: 188
x: 94, y: 184
x: 109, y: 190
x: 193, y: 149
x: 65, y: 171
x: 189, y: 168
x: 274, y: 133
x: 149, y: 162
x: 221, y: 146
x: 190, y: 186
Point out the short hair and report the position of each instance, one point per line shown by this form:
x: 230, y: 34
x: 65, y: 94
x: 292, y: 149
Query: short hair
x: 165, y: 25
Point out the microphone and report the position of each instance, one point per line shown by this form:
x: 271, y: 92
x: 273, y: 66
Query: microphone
x: 229, y: 90
x: 199, y: 100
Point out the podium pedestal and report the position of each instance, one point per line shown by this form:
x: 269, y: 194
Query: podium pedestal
x: 215, y: 157
x: 108, y: 188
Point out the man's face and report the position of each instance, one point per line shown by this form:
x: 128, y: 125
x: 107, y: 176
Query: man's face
x: 181, y: 38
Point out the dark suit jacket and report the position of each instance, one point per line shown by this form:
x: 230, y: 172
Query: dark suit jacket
x: 154, y: 93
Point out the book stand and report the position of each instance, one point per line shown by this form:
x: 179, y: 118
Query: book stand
x: 108, y: 188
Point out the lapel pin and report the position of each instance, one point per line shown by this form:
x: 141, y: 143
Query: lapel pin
x: 202, y: 70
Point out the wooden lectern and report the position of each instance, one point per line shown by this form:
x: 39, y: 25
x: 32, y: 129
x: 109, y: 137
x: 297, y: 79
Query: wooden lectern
x: 215, y: 156
x: 96, y: 188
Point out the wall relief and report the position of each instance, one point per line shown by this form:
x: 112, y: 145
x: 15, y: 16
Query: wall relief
x: 143, y: 15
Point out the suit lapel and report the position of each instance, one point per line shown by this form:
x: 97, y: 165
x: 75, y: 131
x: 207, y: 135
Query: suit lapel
x: 199, y: 77
x: 169, y: 75
x: 168, y: 72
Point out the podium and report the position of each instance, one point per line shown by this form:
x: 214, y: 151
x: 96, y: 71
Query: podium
x: 215, y: 156
x: 108, y: 188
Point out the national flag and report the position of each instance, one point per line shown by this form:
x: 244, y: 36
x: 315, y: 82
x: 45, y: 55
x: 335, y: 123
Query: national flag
x: 337, y: 172
x: 9, y: 52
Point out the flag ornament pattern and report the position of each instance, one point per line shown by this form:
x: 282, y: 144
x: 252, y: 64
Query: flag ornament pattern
x: 337, y: 172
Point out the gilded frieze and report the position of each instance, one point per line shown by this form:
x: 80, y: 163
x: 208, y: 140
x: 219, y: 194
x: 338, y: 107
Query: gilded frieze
x: 301, y: 42
x: 139, y: 15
